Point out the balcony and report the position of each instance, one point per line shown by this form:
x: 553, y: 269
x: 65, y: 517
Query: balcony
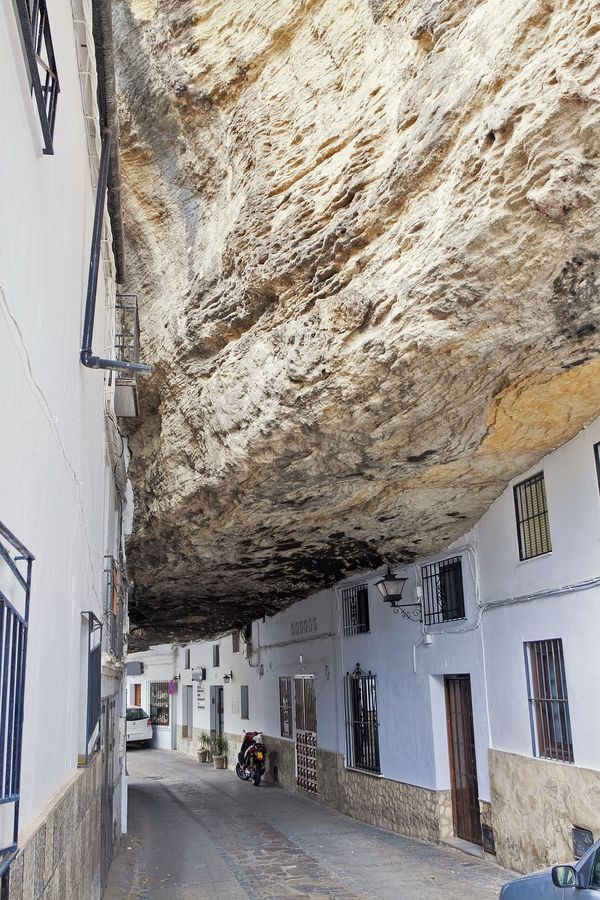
x: 127, y: 349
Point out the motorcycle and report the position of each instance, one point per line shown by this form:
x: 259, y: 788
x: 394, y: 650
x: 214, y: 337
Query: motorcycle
x: 251, y: 758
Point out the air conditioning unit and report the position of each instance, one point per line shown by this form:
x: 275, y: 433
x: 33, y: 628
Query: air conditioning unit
x: 198, y: 674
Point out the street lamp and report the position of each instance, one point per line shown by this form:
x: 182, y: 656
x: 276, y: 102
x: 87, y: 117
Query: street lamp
x: 390, y: 587
x: 227, y: 677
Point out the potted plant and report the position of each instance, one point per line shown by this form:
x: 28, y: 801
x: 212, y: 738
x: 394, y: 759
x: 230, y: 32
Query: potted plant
x: 219, y: 751
x: 204, y: 739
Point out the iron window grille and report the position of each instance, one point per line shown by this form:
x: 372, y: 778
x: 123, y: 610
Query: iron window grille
x: 531, y: 508
x: 216, y: 656
x: 114, y: 607
x: 443, y: 595
x: 235, y: 641
x: 187, y: 658
x: 362, y: 726
x: 548, y: 700
x: 597, y: 458
x: 355, y: 609
x: 159, y: 703
x: 94, y: 688
x: 43, y: 75
x: 14, y: 627
x: 285, y: 706
x: 244, y: 702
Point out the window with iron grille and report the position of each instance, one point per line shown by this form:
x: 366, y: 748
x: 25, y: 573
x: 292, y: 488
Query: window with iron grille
x: 548, y: 700
x: 533, y: 527
x: 362, y: 727
x: 39, y: 52
x: 244, y: 702
x: 285, y: 706
x: 235, y: 641
x: 597, y: 458
x: 443, y: 596
x: 355, y: 609
x: 216, y: 656
x: 159, y: 702
x: 187, y: 661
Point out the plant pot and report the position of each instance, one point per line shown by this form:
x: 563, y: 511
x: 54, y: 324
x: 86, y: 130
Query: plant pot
x: 219, y: 762
x: 202, y: 756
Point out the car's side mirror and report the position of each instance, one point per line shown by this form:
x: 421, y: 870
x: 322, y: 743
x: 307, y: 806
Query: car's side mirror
x: 564, y: 876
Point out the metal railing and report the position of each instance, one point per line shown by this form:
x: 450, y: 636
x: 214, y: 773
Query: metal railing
x: 127, y: 331
x: 362, y: 726
x: 355, y: 609
x: 443, y: 596
x: 14, y: 626
x: 37, y: 42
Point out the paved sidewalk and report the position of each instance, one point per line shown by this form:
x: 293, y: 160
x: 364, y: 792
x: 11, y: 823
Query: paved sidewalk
x: 196, y: 833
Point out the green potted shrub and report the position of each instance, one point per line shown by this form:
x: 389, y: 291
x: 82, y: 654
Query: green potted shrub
x: 218, y: 746
x: 204, y: 739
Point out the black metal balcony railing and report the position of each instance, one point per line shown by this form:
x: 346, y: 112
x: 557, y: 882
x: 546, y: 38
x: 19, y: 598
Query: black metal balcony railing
x: 39, y: 51
x: 14, y: 626
x: 127, y: 350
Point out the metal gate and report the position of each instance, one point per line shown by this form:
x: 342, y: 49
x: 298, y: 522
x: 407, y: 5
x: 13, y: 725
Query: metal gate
x: 306, y: 732
x: 463, y: 765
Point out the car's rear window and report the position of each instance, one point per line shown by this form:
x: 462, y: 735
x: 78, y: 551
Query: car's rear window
x: 134, y: 713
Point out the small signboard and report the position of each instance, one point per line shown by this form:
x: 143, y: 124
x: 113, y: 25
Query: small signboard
x: 582, y: 841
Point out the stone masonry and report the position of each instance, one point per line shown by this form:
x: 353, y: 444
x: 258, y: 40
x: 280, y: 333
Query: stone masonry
x: 60, y: 857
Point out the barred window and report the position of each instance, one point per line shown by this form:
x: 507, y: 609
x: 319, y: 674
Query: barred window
x: 285, y: 706
x: 355, y: 609
x: 244, y: 702
x: 159, y: 702
x: 531, y: 509
x: 362, y: 727
x: 443, y: 596
x: 216, y: 656
x: 548, y: 700
x: 39, y: 52
x: 597, y: 458
x: 235, y: 642
x: 187, y: 655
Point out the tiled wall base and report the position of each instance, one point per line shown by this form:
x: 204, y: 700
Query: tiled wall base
x: 60, y: 860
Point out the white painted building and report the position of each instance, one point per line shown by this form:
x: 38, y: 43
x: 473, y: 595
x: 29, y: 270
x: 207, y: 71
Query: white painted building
x: 486, y: 727
x: 63, y: 474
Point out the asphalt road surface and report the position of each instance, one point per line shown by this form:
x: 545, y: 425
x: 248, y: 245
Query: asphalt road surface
x: 196, y: 833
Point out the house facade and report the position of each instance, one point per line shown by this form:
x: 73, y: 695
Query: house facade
x: 64, y: 492
x: 465, y: 714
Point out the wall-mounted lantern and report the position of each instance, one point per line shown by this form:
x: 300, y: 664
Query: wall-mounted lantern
x: 390, y: 587
x: 227, y: 677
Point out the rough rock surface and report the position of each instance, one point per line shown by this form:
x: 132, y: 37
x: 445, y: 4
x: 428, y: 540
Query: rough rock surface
x: 365, y: 235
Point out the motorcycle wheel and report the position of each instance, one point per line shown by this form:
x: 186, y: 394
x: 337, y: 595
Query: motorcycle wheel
x: 256, y: 773
x: 241, y: 773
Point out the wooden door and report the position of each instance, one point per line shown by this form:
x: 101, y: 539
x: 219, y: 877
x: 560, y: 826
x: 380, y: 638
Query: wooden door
x: 306, y: 732
x: 137, y: 695
x: 463, y: 764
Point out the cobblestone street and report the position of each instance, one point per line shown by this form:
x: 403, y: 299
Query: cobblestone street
x: 200, y: 834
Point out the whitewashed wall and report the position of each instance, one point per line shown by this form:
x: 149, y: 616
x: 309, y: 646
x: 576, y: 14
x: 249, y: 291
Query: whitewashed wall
x: 52, y: 478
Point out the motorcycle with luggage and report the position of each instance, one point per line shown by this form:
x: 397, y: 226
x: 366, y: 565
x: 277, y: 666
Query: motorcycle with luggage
x: 251, y: 758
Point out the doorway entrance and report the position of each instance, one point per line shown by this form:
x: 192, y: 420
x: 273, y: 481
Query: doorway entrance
x: 187, y: 723
x: 463, y: 764
x: 216, y: 709
x: 306, y: 732
x: 137, y: 695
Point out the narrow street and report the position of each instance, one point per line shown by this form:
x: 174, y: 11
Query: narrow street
x: 196, y: 833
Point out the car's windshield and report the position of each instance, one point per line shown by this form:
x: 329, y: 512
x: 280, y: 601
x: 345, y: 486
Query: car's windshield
x: 136, y: 712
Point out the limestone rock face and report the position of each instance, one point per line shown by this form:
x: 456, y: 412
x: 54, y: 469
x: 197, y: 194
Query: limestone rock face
x: 365, y: 236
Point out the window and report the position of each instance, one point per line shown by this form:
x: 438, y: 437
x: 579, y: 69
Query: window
x: 159, y: 702
x: 43, y: 77
x: 443, y: 597
x: 355, y: 609
x: 187, y: 712
x: 135, y: 715
x: 93, y: 665
x: 244, y: 708
x: 362, y: 735
x: 285, y: 706
x: 235, y: 641
x: 548, y: 702
x: 187, y: 663
x: 531, y: 508
x: 216, y: 662
x: 597, y: 458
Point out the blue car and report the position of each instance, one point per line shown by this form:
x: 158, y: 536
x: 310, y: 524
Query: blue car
x: 578, y: 881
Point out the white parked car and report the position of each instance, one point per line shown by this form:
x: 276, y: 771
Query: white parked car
x: 139, y: 726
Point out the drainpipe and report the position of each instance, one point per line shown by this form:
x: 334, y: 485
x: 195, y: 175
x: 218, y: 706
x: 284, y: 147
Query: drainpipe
x: 86, y: 356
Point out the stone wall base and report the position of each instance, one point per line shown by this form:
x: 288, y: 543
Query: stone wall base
x: 60, y: 859
x: 535, y: 805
